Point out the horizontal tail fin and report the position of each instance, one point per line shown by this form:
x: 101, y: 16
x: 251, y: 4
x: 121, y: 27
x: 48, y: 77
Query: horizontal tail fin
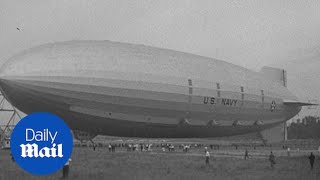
x: 297, y: 103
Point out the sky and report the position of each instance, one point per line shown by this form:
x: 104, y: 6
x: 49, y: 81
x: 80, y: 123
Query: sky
x: 281, y: 33
x: 247, y: 33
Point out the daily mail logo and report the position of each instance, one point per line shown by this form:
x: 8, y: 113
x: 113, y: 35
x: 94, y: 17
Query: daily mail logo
x: 41, y: 140
x: 32, y: 150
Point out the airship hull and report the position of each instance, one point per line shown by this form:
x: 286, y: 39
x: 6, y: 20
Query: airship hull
x: 108, y: 97
x: 90, y: 119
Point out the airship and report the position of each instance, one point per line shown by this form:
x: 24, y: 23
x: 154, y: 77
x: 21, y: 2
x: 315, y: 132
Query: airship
x: 131, y: 90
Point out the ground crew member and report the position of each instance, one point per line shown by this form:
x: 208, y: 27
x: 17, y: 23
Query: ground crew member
x: 149, y: 147
x: 65, y: 170
x: 272, y: 160
x: 109, y: 147
x: 207, y: 157
x: 113, y: 148
x: 187, y: 147
x: 246, y: 154
x: 311, y: 159
x: 12, y: 158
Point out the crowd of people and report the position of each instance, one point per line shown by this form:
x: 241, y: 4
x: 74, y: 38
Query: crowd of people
x: 165, y: 147
x: 169, y: 147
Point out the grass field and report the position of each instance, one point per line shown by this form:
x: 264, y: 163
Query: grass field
x: 101, y: 164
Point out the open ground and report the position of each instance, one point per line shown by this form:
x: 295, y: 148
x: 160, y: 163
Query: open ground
x: 102, y: 164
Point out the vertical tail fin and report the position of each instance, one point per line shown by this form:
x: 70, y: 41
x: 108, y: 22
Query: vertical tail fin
x: 275, y: 74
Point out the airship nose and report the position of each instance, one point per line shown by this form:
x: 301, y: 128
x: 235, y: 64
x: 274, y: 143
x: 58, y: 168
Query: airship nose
x: 3, y: 82
x: 26, y: 71
x: 22, y: 63
x: 16, y: 69
x: 34, y: 62
x: 7, y: 73
x: 14, y: 76
x: 4, y: 88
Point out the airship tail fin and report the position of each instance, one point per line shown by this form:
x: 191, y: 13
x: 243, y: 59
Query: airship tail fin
x: 297, y: 103
x: 275, y: 74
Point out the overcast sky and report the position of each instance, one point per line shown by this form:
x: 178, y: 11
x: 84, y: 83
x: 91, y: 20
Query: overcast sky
x: 246, y: 33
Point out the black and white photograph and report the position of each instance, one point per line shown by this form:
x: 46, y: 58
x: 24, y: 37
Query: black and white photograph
x: 160, y: 90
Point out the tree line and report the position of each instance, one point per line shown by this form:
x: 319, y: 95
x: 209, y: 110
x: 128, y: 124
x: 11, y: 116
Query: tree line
x: 306, y: 128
